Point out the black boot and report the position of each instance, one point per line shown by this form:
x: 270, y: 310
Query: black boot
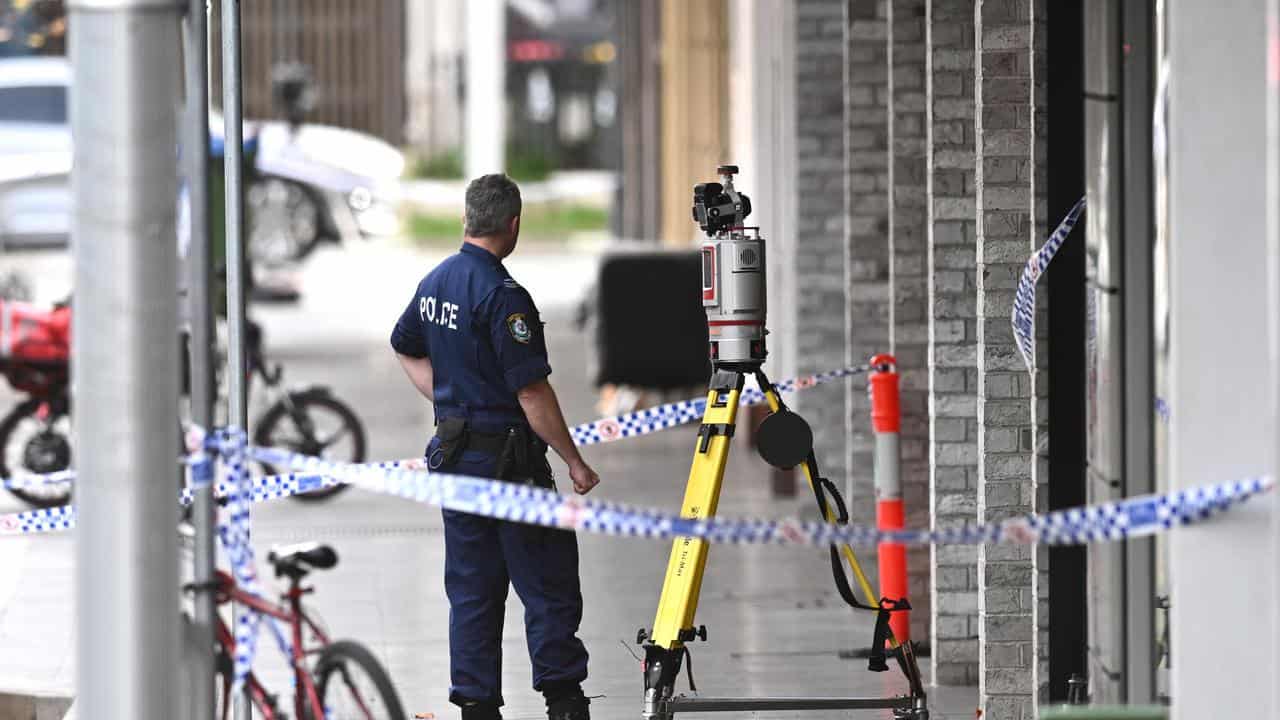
x: 481, y: 711
x: 570, y: 708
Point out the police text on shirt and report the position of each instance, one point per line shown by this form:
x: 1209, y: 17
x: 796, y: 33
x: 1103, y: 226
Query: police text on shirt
x: 448, y: 316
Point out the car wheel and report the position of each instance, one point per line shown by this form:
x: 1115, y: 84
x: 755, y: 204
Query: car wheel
x: 283, y: 220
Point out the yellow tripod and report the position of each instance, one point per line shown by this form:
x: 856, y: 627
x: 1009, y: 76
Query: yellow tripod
x: 785, y: 441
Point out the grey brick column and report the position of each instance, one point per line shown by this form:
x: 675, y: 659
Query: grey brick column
x: 909, y: 322
x: 866, y: 259
x: 1005, y: 182
x: 953, y: 334
x: 1004, y: 130
x: 821, y: 222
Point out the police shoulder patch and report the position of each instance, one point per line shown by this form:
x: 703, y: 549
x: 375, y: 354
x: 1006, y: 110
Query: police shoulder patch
x: 519, y: 328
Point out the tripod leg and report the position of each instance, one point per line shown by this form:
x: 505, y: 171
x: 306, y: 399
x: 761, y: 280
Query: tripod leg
x: 683, y: 582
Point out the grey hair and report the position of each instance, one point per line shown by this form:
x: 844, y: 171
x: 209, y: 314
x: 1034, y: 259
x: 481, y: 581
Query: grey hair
x: 493, y: 201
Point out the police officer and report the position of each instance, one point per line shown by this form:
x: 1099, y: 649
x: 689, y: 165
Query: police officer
x: 472, y: 342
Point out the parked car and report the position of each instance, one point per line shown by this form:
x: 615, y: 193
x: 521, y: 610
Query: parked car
x: 311, y: 183
x: 35, y: 153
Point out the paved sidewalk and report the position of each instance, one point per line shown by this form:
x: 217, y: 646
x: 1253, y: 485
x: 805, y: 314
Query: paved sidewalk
x: 775, y: 622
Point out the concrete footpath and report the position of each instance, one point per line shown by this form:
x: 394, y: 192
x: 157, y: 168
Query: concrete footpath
x: 776, y: 625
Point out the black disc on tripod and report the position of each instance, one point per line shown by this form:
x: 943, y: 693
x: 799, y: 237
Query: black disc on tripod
x: 784, y: 439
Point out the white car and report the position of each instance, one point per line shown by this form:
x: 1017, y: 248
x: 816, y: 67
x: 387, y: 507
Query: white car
x: 310, y: 184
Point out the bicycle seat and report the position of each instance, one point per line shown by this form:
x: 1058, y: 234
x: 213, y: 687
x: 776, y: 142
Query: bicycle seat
x: 295, y: 561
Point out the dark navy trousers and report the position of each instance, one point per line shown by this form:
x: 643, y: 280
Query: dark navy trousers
x: 483, y: 557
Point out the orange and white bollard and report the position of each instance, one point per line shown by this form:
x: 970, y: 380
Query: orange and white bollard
x: 886, y: 421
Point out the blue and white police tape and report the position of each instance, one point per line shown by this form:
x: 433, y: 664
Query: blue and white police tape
x: 241, y: 489
x: 1138, y: 516
x: 633, y: 424
x: 262, y: 489
x: 234, y: 534
x: 662, y: 417
x: 28, y: 522
x: 1024, y: 302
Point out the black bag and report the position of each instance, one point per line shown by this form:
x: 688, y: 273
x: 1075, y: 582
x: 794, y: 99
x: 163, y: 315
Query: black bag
x: 651, y: 330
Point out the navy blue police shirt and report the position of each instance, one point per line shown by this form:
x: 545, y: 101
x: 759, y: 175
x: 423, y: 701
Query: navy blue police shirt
x: 482, y: 333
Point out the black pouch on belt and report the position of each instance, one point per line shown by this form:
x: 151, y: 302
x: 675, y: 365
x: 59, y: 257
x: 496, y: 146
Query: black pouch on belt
x: 506, y: 459
x: 524, y: 458
x: 453, y: 434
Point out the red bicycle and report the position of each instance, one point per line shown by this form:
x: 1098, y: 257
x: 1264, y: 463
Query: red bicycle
x: 347, y: 682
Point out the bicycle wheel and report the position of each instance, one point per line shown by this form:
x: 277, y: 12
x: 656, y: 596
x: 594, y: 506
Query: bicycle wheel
x: 30, y: 444
x: 353, y: 685
x: 313, y: 422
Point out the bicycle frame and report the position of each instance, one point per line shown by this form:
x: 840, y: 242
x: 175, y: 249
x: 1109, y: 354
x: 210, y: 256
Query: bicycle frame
x: 306, y: 695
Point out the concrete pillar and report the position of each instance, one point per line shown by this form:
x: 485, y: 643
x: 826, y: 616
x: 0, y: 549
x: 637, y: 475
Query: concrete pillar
x: 864, y: 292
x: 953, y: 334
x: 1005, y: 133
x: 1220, y: 355
x: 762, y: 48
x: 485, y: 112
x: 908, y: 312
x: 434, y: 37
x: 820, y: 226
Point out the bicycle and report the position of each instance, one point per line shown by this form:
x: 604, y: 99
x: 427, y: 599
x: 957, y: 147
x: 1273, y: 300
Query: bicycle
x: 331, y: 690
x: 320, y: 422
x: 35, y: 435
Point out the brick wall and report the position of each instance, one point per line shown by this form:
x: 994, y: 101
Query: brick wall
x: 908, y: 311
x: 1004, y: 174
x: 953, y: 375
x: 820, y: 212
x: 867, y: 249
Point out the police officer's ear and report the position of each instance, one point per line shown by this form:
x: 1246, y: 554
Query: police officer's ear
x: 514, y: 227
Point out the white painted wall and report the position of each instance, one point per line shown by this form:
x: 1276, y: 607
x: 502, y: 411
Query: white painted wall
x: 486, y: 109
x: 762, y: 140
x: 435, y: 40
x: 1222, y: 425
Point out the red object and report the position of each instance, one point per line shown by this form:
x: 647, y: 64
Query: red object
x: 709, y: 272
x: 29, y: 334
x: 893, y: 567
x: 886, y: 420
x: 535, y: 51
x: 35, y: 346
x: 886, y: 409
x: 722, y: 323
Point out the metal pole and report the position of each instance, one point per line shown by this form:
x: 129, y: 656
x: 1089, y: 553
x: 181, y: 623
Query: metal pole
x: 195, y: 155
x: 1105, y: 398
x: 124, y: 116
x: 233, y: 166
x: 1137, y: 86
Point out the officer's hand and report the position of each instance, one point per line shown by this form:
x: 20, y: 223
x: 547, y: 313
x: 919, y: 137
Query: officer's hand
x: 584, y: 478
